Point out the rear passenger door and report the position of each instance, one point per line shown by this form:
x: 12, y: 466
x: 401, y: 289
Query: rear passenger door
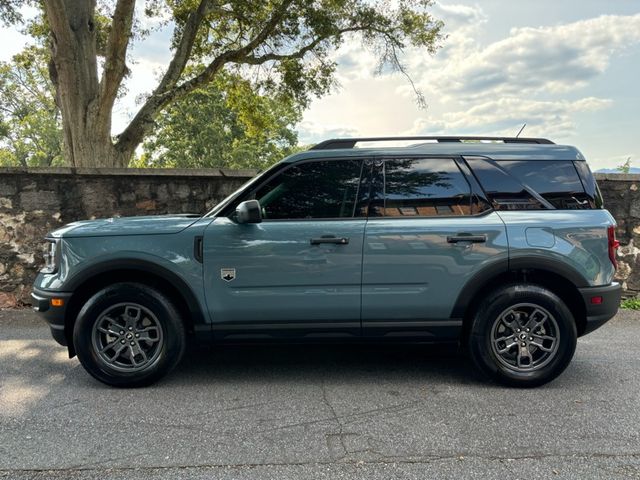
x: 428, y: 233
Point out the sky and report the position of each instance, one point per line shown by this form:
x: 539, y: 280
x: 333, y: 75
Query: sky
x: 569, y: 69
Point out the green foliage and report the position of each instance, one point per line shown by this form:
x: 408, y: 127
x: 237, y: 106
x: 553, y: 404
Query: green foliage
x: 30, y: 132
x: 625, y: 167
x: 225, y: 124
x: 9, y: 11
x: 241, y: 73
x: 631, y: 303
x: 295, y: 54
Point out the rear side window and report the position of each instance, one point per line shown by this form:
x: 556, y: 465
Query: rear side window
x: 323, y: 189
x: 504, y: 191
x: 556, y: 181
x: 519, y: 184
x: 424, y: 187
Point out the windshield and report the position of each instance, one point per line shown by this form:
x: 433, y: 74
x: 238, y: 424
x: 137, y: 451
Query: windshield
x: 215, y: 210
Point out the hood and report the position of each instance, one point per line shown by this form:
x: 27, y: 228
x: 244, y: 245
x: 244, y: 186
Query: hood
x: 118, y: 226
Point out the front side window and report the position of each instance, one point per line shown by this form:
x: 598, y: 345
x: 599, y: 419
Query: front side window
x: 424, y: 187
x: 323, y: 189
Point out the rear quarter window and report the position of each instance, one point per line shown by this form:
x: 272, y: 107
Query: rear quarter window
x: 589, y: 183
x: 504, y: 191
x: 556, y: 181
x: 527, y: 184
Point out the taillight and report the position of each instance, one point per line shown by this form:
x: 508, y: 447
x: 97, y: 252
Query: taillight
x: 613, y: 245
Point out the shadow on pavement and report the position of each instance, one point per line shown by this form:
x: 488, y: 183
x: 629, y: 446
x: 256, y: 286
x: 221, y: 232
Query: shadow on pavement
x: 327, y: 362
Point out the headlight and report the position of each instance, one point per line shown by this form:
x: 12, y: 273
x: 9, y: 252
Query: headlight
x: 51, y: 256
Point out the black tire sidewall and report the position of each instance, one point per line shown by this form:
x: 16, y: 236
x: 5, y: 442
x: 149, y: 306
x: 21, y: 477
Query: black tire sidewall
x: 480, y: 335
x: 166, y: 314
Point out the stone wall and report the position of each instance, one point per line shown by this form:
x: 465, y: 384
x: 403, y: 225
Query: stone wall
x: 622, y: 198
x: 35, y: 201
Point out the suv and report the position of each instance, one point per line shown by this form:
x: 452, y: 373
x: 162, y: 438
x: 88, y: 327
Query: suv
x: 500, y: 244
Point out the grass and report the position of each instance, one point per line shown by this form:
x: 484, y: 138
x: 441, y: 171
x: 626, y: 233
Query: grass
x: 630, y: 303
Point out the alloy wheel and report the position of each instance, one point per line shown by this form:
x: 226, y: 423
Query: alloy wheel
x: 127, y: 337
x: 525, y: 337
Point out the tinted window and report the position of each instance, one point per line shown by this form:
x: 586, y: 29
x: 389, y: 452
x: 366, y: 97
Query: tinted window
x: 421, y: 187
x: 556, y: 181
x: 589, y: 183
x: 326, y: 189
x: 479, y: 202
x: 504, y: 191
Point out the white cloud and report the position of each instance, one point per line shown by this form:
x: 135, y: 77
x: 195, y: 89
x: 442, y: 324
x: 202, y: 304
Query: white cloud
x: 554, y: 59
x: 540, y: 76
x: 504, y: 116
x: 462, y: 26
x: 458, y: 16
x: 311, y: 132
x: 527, y: 77
x: 355, y: 62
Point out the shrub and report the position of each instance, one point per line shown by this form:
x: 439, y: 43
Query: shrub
x: 631, y: 303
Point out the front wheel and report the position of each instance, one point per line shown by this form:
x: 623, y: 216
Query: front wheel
x: 128, y: 335
x: 522, y: 335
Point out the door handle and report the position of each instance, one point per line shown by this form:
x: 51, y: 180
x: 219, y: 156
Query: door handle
x: 329, y: 239
x: 198, y: 248
x: 466, y: 238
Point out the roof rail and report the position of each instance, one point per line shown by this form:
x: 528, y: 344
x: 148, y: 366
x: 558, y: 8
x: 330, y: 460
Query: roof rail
x: 341, y: 143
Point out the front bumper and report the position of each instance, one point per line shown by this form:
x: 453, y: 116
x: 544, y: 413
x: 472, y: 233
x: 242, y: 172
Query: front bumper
x: 599, y: 313
x: 54, y: 316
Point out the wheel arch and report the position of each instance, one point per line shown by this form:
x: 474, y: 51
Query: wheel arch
x: 91, y: 280
x: 561, y: 279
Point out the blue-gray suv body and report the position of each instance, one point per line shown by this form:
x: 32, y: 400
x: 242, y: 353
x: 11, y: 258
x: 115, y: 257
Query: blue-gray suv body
x: 501, y: 244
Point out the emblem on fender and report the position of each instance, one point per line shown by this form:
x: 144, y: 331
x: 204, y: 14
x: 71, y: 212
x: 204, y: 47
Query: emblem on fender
x: 228, y: 274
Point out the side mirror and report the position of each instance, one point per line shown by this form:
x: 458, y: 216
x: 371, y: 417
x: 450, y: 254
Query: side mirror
x: 249, y: 211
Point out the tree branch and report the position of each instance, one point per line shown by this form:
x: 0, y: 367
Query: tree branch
x: 166, y: 90
x: 235, y: 56
x: 420, y: 100
x: 267, y: 57
x: 131, y: 137
x: 115, y: 57
x: 300, y: 53
x: 183, y: 51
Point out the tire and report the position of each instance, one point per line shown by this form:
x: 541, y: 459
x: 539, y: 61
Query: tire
x: 540, y: 354
x: 129, y: 335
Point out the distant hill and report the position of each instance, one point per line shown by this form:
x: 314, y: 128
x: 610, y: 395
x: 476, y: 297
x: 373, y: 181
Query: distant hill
x: 615, y: 170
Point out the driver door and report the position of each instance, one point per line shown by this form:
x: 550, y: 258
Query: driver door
x: 298, y: 271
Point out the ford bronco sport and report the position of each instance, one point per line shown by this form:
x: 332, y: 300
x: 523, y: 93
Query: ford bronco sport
x: 500, y: 244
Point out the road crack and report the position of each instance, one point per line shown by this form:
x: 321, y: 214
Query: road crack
x: 340, y: 435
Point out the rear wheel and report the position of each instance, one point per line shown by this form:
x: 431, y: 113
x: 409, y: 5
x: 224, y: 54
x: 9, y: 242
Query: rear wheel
x: 128, y: 335
x: 522, y: 335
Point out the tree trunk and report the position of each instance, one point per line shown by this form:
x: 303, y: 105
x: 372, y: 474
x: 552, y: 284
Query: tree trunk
x: 88, y: 142
x: 86, y: 115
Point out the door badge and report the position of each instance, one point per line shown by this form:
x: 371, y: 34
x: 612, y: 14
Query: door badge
x: 228, y: 274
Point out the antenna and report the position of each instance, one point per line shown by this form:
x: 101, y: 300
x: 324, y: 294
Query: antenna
x: 521, y: 130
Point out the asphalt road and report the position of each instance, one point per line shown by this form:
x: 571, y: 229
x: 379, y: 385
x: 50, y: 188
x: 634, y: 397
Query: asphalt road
x: 293, y: 412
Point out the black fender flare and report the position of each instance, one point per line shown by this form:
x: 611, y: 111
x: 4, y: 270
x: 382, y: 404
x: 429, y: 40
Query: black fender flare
x: 479, y: 281
x: 144, y: 266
